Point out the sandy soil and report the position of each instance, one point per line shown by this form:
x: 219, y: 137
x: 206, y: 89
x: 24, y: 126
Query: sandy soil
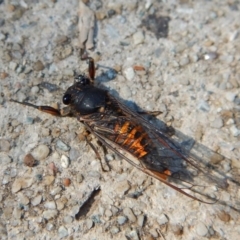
x: 190, y: 53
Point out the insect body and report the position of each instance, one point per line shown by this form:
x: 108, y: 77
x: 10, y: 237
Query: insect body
x: 121, y: 129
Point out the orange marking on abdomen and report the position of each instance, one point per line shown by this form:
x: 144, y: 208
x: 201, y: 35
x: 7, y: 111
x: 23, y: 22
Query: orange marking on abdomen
x: 127, y: 138
x: 131, y: 135
x: 139, y: 147
x: 124, y: 128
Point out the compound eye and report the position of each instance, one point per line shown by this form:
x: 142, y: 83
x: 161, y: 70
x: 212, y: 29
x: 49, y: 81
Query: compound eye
x: 67, y: 99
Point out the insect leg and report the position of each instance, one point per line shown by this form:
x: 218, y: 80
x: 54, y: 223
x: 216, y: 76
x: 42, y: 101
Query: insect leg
x: 46, y: 109
x: 152, y: 113
x: 96, y: 152
x: 91, y: 67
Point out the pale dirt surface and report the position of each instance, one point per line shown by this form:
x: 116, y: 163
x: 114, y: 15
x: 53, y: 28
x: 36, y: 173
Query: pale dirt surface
x: 199, y: 97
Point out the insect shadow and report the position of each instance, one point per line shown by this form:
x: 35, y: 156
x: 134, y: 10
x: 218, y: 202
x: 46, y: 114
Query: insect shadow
x: 209, y: 163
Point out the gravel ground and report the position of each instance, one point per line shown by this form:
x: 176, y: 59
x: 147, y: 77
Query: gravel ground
x: 180, y: 57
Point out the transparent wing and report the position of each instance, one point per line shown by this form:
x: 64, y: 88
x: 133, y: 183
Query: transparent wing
x: 187, y: 167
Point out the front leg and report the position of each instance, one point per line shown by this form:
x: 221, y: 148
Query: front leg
x: 47, y: 109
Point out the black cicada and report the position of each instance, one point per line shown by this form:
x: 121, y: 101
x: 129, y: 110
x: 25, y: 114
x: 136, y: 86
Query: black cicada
x: 130, y: 135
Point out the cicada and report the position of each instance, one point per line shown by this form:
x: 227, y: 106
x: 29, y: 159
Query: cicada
x: 132, y: 137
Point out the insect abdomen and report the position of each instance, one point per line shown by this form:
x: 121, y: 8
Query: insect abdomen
x: 132, y: 138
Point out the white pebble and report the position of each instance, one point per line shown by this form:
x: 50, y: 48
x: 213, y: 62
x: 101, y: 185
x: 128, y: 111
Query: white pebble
x: 17, y: 213
x: 22, y: 199
x: 41, y: 152
x: 114, y: 230
x: 34, y: 89
x: 65, y: 161
x: 36, y: 200
x: 50, y: 205
x: 62, y: 232
x: 230, y: 96
x: 129, y: 73
x: 138, y: 37
x: 235, y: 131
x: 201, y: 229
x: 121, y: 220
x: 13, y: 65
x: 49, y: 214
x: 122, y: 187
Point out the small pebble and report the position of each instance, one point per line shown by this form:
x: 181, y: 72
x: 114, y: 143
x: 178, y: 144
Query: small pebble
x: 49, y: 226
x: 50, y: 205
x: 19, y: 68
x: 204, y: 106
x: 5, y: 159
x: 94, y: 174
x: 62, y: 232
x: 65, y: 161
x: 138, y: 38
x: 133, y: 235
x: 62, y: 146
x: 114, y: 230
x: 210, y: 56
x: 17, y: 213
x: 29, y: 160
x: 21, y: 183
x: 34, y: 90
x: 52, y: 168
x: 217, y: 123
x: 36, y: 200
x: 60, y: 205
x: 235, y: 131
x: 56, y: 191
x: 109, y: 157
x: 201, y: 229
x: 13, y: 66
x: 108, y: 213
x: 7, y: 212
x: 49, y: 214
x: 41, y: 152
x: 68, y: 72
x: 22, y: 199
x: 4, y: 145
x: 74, y: 154
x: 122, y: 187
x: 6, y: 179
x: 128, y: 212
x: 3, y: 75
x: 48, y: 180
x: 68, y: 219
x: 66, y: 182
x: 230, y: 96
x: 16, y: 186
x: 140, y: 220
x: 224, y: 216
x: 121, y: 220
x: 129, y: 73
x: 38, y: 66
x: 184, y: 61
x: 89, y: 223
